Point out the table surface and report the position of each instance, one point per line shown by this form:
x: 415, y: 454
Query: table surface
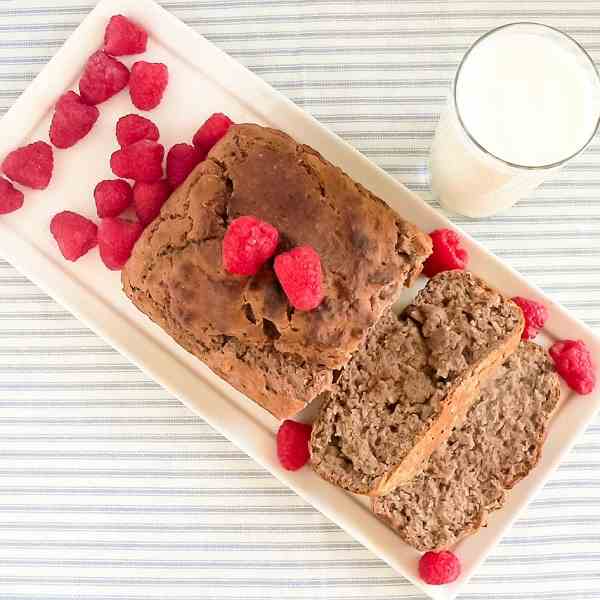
x: 111, y: 489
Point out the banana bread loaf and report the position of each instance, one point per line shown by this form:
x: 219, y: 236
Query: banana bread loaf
x: 243, y: 327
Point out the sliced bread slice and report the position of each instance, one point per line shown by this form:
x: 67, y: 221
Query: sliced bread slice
x: 499, y: 443
x: 413, y: 381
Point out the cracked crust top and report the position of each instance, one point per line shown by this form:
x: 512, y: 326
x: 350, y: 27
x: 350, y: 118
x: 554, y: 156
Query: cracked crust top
x: 367, y: 251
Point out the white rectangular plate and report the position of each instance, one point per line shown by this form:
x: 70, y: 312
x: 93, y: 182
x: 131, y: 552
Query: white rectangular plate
x: 204, y: 80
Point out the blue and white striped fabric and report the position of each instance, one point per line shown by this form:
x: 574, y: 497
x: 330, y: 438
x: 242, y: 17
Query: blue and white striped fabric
x: 112, y: 490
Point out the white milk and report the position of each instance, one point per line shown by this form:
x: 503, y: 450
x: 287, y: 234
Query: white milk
x: 529, y: 96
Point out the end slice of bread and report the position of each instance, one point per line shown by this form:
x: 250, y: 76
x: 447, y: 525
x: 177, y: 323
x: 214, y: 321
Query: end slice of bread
x: 412, y: 382
x: 499, y: 443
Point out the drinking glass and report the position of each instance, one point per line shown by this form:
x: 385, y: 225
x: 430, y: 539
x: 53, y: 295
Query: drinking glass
x: 474, y: 170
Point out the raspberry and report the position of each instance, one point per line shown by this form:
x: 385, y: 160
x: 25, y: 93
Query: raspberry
x: 292, y: 444
x: 574, y: 364
x: 213, y: 129
x: 103, y: 77
x: 73, y: 119
x: 123, y: 36
x: 448, y: 254
x: 30, y: 165
x: 133, y: 128
x: 112, y: 197
x: 181, y: 160
x: 148, y: 199
x: 248, y: 243
x: 116, y: 238
x: 148, y: 83
x: 11, y: 198
x: 299, y: 273
x: 438, y: 568
x: 74, y: 234
x: 535, y: 313
x: 141, y: 161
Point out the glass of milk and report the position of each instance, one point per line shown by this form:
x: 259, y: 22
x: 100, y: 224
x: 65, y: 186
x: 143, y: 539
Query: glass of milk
x: 525, y: 100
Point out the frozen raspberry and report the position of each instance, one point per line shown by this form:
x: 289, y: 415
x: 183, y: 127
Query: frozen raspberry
x: 11, y: 198
x: 574, y: 364
x: 30, y: 165
x: 116, y: 239
x: 181, y: 160
x: 74, y: 234
x: 73, y: 119
x: 123, y: 37
x: 133, y: 128
x: 299, y: 273
x: 148, y: 84
x: 148, y: 199
x: 448, y: 254
x: 213, y: 129
x: 535, y: 313
x: 248, y: 243
x: 438, y: 568
x: 112, y: 197
x: 292, y: 444
x: 103, y: 77
x: 141, y: 161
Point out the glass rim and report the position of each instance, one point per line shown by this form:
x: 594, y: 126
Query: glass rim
x: 479, y: 145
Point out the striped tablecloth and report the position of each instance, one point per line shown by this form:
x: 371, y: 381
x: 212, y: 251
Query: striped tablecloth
x: 111, y: 489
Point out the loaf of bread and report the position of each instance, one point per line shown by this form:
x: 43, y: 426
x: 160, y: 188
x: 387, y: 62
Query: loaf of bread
x: 497, y: 445
x: 412, y: 382
x: 243, y: 328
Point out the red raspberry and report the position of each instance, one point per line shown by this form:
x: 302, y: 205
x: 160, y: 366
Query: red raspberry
x: 448, y: 254
x: 103, y: 77
x: 248, y: 244
x: 181, y: 160
x: 11, y: 198
x: 148, y: 84
x: 123, y: 37
x: 536, y: 315
x: 148, y: 199
x: 438, y: 568
x: 300, y: 276
x: 133, y: 128
x: 30, y: 165
x: 116, y: 239
x: 112, y: 197
x: 574, y: 364
x: 292, y: 444
x: 141, y: 161
x: 74, y: 234
x: 213, y: 129
x: 73, y: 119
